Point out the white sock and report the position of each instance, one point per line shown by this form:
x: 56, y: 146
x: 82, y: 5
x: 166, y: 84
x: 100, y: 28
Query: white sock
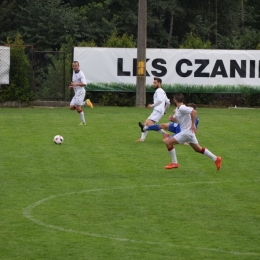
x: 143, y: 136
x: 82, y: 117
x: 161, y: 131
x: 173, y: 155
x: 210, y: 154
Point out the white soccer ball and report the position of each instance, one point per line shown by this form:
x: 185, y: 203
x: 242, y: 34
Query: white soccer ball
x: 58, y: 139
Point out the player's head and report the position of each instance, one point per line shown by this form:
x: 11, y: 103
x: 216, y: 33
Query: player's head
x: 75, y: 66
x: 192, y: 105
x: 157, y: 82
x: 178, y: 98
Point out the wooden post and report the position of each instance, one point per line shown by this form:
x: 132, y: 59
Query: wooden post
x: 141, y: 54
x: 216, y: 22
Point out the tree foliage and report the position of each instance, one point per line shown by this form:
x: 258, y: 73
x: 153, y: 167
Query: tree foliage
x: 228, y: 24
x: 7, y: 18
x: 46, y: 24
x: 94, y: 22
x: 61, y: 24
x: 124, y: 41
x: 195, y: 42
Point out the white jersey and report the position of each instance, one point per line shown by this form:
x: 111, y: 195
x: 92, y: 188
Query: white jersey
x: 182, y: 114
x: 161, y: 98
x: 79, y: 77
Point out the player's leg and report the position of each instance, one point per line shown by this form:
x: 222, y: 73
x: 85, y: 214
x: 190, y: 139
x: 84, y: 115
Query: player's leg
x: 155, y: 127
x: 148, y: 122
x: 165, y: 126
x: 81, y: 115
x: 197, y: 148
x: 157, y: 117
x: 79, y: 103
x: 72, y: 104
x: 172, y: 127
x: 170, y: 142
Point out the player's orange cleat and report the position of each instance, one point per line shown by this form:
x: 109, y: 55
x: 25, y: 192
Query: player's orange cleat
x: 171, y: 166
x: 139, y: 141
x: 218, y: 162
x: 89, y: 103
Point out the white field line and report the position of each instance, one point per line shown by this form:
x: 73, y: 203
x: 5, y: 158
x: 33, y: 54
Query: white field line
x: 27, y: 213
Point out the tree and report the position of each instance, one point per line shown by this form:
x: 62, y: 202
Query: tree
x: 162, y: 16
x: 157, y: 35
x: 252, y: 14
x: 195, y: 42
x: 197, y: 18
x: 7, y: 18
x: 125, y: 14
x: 124, y: 41
x: 94, y: 22
x: 46, y: 24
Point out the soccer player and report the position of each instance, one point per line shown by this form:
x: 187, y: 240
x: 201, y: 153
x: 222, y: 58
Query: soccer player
x: 186, y: 117
x: 172, y: 126
x: 160, y: 104
x: 78, y: 85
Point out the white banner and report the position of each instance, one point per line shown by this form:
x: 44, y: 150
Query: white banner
x: 173, y: 66
x: 4, y: 64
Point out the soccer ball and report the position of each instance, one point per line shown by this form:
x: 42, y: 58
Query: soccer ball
x: 58, y: 139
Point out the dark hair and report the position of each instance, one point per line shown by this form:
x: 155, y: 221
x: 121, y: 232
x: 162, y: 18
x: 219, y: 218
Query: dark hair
x: 179, y: 97
x: 158, y: 79
x: 192, y: 105
x: 75, y: 62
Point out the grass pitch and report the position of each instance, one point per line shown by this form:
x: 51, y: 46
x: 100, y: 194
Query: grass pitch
x: 100, y: 195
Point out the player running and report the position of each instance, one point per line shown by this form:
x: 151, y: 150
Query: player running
x: 78, y: 85
x: 160, y: 104
x: 186, y: 117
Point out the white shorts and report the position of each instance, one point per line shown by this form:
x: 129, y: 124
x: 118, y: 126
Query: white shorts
x: 155, y: 116
x: 187, y: 136
x: 78, y: 99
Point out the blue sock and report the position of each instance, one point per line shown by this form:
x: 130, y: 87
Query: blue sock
x: 153, y: 128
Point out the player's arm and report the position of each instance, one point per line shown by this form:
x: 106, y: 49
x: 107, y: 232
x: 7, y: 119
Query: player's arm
x: 167, y: 105
x: 157, y: 103
x: 193, y: 120
x: 78, y: 84
x: 172, y: 119
x: 82, y: 83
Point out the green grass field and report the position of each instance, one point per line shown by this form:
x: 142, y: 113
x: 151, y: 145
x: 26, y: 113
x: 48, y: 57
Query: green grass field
x: 100, y: 195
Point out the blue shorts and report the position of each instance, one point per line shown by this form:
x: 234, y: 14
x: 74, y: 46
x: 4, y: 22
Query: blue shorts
x: 174, y: 128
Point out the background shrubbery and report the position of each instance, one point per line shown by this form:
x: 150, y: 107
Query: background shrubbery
x: 20, y: 69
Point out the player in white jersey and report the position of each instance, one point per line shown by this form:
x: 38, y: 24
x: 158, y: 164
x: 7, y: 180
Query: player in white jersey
x: 78, y: 85
x: 172, y: 126
x: 160, y: 104
x: 182, y: 115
